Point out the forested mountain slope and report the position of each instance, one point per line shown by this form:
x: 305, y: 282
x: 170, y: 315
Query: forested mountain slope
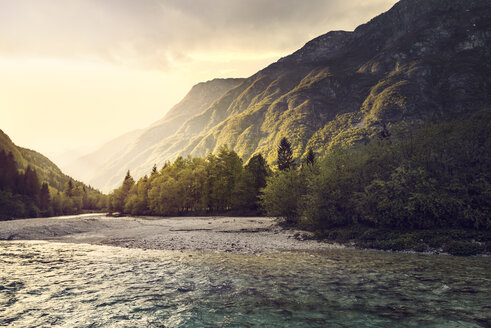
x: 86, y: 167
x: 46, y: 169
x: 134, y: 153
x: 32, y: 185
x: 423, y: 60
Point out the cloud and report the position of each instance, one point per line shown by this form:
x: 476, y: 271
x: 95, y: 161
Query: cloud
x: 161, y: 34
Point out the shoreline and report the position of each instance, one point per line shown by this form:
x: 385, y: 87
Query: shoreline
x: 247, y: 235
x: 218, y: 234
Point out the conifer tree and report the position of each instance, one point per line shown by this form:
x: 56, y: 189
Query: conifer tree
x: 285, y: 155
x: 44, y: 197
x: 128, y: 182
x: 250, y: 185
x: 154, y: 170
x: 310, y: 158
x: 259, y: 170
x: 119, y: 195
x: 8, y: 171
x: 31, y: 183
x: 69, y: 188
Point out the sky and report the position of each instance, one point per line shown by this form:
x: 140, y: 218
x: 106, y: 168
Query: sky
x: 77, y: 73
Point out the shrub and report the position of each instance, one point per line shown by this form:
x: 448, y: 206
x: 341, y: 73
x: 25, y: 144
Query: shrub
x: 463, y: 248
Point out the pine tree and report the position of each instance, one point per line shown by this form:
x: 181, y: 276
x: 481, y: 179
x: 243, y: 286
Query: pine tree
x: 69, y: 188
x: 259, y: 170
x: 128, y: 182
x: 154, y: 170
x: 118, y: 199
x: 31, y: 183
x: 8, y: 171
x: 285, y: 155
x: 44, y: 197
x: 250, y: 185
x: 310, y: 158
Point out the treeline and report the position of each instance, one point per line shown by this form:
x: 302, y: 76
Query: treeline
x: 215, y: 184
x: 436, y: 177
x: 23, y: 195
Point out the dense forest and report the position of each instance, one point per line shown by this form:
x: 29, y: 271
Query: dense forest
x: 23, y: 194
x: 31, y: 185
x: 434, y: 176
x: 438, y: 176
x: 193, y: 185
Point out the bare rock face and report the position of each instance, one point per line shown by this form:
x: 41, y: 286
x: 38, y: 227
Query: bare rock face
x: 422, y: 60
x: 320, y: 49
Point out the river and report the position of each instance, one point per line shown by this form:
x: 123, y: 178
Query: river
x: 44, y: 284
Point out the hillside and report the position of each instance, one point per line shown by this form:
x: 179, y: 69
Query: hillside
x: 85, y: 167
x: 46, y: 169
x: 423, y: 60
x: 134, y: 153
x: 31, y: 184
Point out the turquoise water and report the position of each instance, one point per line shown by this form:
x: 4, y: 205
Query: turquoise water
x: 67, y: 285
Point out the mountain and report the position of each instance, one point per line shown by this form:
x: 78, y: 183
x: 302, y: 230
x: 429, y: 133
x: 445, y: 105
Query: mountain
x: 46, y: 169
x: 88, y: 165
x: 422, y: 60
x: 32, y: 185
x: 132, y: 151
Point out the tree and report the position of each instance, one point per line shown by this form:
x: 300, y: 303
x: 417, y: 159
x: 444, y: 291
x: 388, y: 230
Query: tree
x: 31, y: 183
x: 250, y: 185
x: 310, y: 158
x: 154, y: 171
x: 285, y: 155
x: 118, y: 198
x: 225, y: 171
x: 259, y: 169
x: 282, y: 195
x: 128, y: 182
x: 44, y: 197
x: 69, y: 188
x: 384, y: 133
x: 8, y: 171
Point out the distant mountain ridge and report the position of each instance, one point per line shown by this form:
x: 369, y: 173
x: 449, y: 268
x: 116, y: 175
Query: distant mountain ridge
x: 131, y: 150
x: 422, y: 60
x: 86, y: 167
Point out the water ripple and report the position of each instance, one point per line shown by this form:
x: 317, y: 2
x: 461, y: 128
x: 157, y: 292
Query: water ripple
x: 68, y: 285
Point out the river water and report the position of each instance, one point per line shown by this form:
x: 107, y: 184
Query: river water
x: 44, y: 284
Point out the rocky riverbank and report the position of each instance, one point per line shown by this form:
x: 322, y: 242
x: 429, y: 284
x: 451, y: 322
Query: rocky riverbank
x: 207, y: 234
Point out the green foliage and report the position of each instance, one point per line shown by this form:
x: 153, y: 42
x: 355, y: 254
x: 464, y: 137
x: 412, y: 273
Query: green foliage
x: 248, y: 189
x: 226, y: 172
x: 44, y: 197
x: 453, y: 241
x: 437, y: 177
x: 285, y: 155
x: 31, y: 185
x: 329, y: 200
x: 463, y: 248
x: 119, y: 196
x: 22, y: 194
x: 282, y: 195
x: 310, y: 157
x: 215, y: 184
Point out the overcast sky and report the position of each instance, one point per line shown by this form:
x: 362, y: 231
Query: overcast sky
x: 76, y: 73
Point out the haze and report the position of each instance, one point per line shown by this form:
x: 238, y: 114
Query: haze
x: 74, y: 74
